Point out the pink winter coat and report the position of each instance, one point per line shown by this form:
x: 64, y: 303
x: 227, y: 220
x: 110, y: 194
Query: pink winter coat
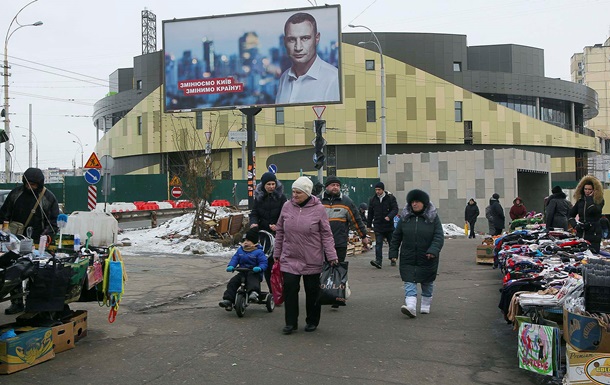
x: 302, y: 237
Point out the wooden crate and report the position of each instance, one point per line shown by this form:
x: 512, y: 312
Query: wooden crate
x: 485, y: 254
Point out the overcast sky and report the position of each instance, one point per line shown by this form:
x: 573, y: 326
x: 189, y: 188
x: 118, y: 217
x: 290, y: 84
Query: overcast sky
x: 61, y: 68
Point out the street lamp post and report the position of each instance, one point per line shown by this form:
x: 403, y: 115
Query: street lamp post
x: 383, y: 123
x: 30, y: 142
x: 81, y: 148
x: 7, y: 128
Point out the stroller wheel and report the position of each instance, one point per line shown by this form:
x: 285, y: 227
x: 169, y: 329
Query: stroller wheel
x: 269, y: 303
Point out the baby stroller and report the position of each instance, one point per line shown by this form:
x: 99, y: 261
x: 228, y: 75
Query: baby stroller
x: 242, y: 301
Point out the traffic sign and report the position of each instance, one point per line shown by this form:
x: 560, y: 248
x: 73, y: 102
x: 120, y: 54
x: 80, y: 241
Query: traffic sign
x: 107, y: 162
x: 176, y: 192
x: 93, y: 162
x: 241, y: 136
x: 175, y: 181
x: 318, y: 110
x: 272, y: 168
x: 92, y: 176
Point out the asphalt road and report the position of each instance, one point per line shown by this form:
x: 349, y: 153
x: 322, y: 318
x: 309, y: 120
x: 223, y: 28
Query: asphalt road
x: 170, y: 330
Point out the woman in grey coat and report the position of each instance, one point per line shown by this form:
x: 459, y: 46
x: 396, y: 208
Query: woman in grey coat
x: 420, y: 238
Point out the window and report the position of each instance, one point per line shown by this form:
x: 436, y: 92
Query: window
x: 467, y: 132
x: 279, y: 115
x: 198, y: 120
x: 139, y: 125
x: 458, y: 111
x: 370, y: 111
x: 239, y: 163
x: 138, y: 84
x: 457, y: 66
x: 369, y: 65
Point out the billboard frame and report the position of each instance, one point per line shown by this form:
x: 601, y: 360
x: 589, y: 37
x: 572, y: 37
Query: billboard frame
x: 265, y: 105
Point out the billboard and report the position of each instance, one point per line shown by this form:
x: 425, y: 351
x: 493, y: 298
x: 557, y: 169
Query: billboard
x: 276, y: 58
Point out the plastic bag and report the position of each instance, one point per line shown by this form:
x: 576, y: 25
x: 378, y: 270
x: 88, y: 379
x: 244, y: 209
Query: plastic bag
x: 333, y: 284
x: 277, y: 283
x: 48, y: 287
x: 466, y: 228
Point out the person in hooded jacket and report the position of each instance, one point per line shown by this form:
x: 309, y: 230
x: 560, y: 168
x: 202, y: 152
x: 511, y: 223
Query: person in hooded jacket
x: 418, y: 240
x: 518, y: 210
x: 557, y: 209
x: 303, y: 241
x: 268, y: 201
x: 17, y: 208
x: 496, y: 213
x: 471, y: 213
x: 589, y: 197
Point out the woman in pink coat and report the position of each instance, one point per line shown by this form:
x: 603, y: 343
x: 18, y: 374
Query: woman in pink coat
x: 302, y: 238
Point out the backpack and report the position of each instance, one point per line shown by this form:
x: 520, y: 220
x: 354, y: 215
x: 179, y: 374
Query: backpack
x: 488, y: 213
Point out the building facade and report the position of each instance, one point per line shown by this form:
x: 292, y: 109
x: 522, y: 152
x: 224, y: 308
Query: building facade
x: 441, y: 95
x: 592, y: 69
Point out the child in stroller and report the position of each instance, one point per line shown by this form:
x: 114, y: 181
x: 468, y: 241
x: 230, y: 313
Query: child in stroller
x: 251, y: 256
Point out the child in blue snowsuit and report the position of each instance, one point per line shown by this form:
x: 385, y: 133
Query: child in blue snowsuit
x: 249, y: 255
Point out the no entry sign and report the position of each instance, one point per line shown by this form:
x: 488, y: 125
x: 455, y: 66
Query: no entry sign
x: 176, y: 192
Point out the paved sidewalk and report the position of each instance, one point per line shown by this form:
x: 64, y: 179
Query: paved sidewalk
x: 170, y: 330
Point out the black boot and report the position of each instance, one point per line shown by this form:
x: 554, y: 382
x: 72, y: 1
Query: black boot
x: 15, y: 308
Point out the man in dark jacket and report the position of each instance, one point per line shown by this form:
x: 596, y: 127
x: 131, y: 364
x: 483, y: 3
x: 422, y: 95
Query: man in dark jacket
x: 382, y: 210
x: 18, y: 207
x: 497, y: 214
x: 557, y: 209
x: 471, y: 213
x: 342, y: 215
x: 268, y: 201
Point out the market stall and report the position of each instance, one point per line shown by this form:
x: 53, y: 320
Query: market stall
x: 554, y: 286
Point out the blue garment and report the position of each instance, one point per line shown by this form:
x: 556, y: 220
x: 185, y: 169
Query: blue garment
x: 426, y: 289
x: 250, y: 259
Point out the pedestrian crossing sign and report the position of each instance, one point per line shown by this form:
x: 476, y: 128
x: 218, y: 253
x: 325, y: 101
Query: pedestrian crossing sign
x: 93, y: 162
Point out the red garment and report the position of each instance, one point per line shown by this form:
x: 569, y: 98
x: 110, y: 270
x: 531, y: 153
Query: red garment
x: 517, y: 212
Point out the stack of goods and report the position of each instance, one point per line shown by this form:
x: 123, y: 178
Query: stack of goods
x: 540, y: 262
x: 532, y: 221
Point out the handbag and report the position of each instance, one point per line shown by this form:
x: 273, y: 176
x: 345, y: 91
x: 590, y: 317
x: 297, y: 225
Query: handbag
x: 17, y: 227
x: 95, y: 274
x: 333, y: 284
x: 48, y: 287
x: 277, y: 283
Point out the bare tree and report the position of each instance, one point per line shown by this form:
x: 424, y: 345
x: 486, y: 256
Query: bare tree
x: 197, y: 164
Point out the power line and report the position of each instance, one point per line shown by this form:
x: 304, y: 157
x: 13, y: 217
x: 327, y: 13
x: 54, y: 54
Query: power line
x: 60, y: 69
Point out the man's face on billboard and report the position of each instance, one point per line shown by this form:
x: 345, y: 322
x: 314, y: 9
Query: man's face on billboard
x: 301, y: 41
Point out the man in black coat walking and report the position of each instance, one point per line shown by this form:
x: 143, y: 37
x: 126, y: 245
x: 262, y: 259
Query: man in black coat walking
x: 382, y: 210
x: 471, y: 213
x: 497, y: 214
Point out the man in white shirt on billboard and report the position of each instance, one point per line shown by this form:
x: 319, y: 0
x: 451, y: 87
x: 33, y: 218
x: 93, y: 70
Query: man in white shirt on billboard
x: 310, y: 79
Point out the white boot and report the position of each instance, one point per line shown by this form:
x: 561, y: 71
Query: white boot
x: 425, y: 305
x: 410, y: 308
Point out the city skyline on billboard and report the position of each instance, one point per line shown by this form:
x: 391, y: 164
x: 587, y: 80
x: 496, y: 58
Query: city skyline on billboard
x: 275, y: 58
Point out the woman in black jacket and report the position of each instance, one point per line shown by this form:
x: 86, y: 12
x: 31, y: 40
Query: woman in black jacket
x: 471, y: 213
x: 589, y: 198
x: 557, y: 209
x: 268, y: 201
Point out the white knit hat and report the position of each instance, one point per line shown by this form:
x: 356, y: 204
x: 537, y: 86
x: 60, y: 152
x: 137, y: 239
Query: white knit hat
x: 304, y: 184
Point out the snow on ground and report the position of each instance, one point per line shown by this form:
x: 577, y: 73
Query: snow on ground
x: 173, y: 237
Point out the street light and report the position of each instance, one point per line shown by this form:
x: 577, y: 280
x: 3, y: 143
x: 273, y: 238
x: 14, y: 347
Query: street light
x: 30, y: 142
x: 376, y: 42
x: 7, y: 128
x: 81, y: 148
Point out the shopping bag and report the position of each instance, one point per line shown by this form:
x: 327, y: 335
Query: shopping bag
x: 48, y: 287
x: 77, y: 279
x: 333, y: 284
x: 466, y: 228
x: 277, y: 283
x: 95, y: 274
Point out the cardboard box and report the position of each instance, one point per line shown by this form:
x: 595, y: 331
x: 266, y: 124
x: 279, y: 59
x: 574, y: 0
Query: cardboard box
x: 31, y: 346
x: 586, y: 368
x: 79, y: 322
x: 63, y: 337
x: 485, y: 254
x: 585, y: 333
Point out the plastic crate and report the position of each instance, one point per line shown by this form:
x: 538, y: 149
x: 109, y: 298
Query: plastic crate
x: 597, y: 299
